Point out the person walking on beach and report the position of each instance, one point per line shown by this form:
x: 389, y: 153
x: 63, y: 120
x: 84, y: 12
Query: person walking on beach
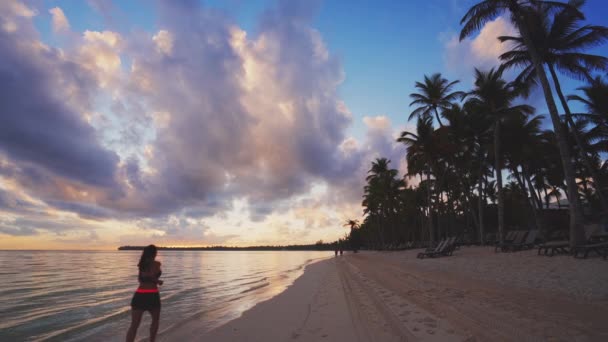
x: 146, y: 297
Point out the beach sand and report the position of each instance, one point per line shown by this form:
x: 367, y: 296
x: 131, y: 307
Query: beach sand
x: 475, y: 295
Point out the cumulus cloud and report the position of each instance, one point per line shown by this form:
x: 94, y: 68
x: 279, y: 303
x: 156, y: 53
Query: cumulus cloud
x: 59, y: 20
x: 194, y: 117
x: 41, y: 95
x: 481, y: 52
x: 238, y: 116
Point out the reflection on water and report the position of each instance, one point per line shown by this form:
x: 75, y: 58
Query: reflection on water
x: 76, y: 295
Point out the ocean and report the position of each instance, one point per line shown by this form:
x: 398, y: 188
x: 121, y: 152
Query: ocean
x: 85, y: 295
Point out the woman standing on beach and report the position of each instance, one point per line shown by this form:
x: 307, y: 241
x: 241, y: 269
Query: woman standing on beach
x: 146, y: 297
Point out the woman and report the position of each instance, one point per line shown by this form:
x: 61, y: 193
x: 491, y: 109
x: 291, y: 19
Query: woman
x: 146, y: 298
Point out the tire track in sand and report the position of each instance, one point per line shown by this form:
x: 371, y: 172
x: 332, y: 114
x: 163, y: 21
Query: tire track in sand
x: 379, y: 314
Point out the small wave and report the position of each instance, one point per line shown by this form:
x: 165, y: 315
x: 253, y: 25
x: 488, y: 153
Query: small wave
x: 56, y: 335
x: 255, y: 281
x: 253, y: 288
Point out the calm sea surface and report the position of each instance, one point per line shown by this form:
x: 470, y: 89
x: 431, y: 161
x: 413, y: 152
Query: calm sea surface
x: 85, y: 295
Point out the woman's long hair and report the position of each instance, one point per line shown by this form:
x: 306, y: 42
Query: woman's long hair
x: 147, y: 257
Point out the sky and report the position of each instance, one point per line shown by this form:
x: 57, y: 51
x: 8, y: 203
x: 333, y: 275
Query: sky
x: 230, y: 122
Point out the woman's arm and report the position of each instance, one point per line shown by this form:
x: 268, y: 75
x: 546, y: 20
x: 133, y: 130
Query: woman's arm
x: 158, y: 281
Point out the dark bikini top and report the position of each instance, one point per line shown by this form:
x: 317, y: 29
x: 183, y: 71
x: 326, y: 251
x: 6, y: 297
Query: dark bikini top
x: 148, y: 279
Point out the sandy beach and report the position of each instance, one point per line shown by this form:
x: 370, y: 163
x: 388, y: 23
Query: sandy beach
x: 475, y: 295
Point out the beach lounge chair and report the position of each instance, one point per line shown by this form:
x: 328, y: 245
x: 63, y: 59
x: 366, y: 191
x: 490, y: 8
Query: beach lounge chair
x: 582, y: 251
x: 450, y: 247
x: 592, y: 245
x: 508, y: 238
x: 445, y: 249
x: 563, y: 247
x: 526, y: 244
x: 517, y: 237
x: 430, y: 251
x: 432, y: 248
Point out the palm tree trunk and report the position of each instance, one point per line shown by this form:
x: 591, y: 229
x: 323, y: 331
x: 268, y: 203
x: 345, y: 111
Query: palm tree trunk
x: 428, y: 187
x: 579, y: 142
x: 539, y: 221
x: 437, y: 116
x: 556, y: 194
x: 480, y: 203
x: 529, y: 199
x: 576, y: 215
x: 438, y: 211
x: 498, y: 170
x: 546, y: 198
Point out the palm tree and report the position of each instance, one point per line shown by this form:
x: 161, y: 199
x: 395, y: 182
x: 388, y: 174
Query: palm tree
x: 353, y: 236
x: 495, y: 96
x: 596, y: 105
x: 353, y: 224
x: 487, y: 10
x: 379, y: 197
x: 434, y: 94
x: 525, y: 155
x: 476, y: 138
x: 559, y: 43
x: 420, y: 154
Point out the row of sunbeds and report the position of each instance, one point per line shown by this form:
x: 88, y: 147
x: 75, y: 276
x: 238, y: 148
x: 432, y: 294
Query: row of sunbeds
x: 524, y: 240
x: 520, y: 240
x: 593, y: 244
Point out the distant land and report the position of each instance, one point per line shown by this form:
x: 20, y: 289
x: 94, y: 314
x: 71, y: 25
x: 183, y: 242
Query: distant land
x: 314, y: 247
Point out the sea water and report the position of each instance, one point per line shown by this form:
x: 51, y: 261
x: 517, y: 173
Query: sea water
x: 85, y: 295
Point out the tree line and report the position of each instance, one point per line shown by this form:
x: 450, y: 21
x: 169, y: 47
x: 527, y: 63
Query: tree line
x: 467, y: 142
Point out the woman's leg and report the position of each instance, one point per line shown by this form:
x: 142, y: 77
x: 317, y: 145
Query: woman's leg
x: 155, y: 313
x: 135, y: 320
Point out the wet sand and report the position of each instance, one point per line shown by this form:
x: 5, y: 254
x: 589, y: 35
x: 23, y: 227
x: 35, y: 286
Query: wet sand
x: 475, y: 295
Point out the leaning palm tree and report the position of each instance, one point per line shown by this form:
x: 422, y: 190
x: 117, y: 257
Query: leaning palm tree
x: 487, y: 10
x: 560, y: 40
x: 495, y: 97
x: 434, y: 94
x: 353, y: 224
x: 353, y: 237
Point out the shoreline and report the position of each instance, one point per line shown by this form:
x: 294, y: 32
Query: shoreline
x: 475, y: 295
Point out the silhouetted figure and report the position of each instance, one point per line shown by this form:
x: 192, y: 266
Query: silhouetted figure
x: 341, y: 251
x: 146, y: 297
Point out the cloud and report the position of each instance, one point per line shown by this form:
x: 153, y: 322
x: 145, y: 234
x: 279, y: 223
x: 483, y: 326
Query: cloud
x: 170, y: 128
x: 41, y: 94
x: 59, y: 21
x: 480, y: 52
x: 237, y: 116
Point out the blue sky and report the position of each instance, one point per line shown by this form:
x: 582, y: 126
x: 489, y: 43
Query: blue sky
x: 214, y: 122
